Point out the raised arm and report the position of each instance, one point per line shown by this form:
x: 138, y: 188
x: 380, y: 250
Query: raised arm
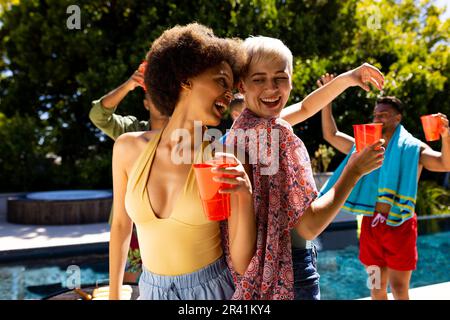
x: 434, y: 160
x: 121, y: 227
x: 114, y: 97
x: 323, y: 210
x: 242, y: 221
x: 102, y: 111
x: 339, y: 140
x: 322, y: 96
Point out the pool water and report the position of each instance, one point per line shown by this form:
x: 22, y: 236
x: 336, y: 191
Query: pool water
x: 69, y: 195
x: 40, y: 279
x: 342, y: 276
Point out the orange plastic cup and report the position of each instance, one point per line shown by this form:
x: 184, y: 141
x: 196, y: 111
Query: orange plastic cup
x: 216, y: 206
x: 141, y: 69
x: 431, y: 126
x: 367, y: 134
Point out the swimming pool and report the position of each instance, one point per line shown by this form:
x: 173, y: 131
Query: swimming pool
x: 342, y: 275
x: 41, y: 278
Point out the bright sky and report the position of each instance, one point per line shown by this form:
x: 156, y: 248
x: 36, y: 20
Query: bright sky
x: 442, y: 3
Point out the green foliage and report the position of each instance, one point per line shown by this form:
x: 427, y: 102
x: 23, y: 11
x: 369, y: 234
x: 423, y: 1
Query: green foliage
x: 322, y: 158
x: 134, y: 259
x: 49, y: 75
x: 29, y: 163
x: 410, y: 44
x: 432, y: 199
x: 23, y: 161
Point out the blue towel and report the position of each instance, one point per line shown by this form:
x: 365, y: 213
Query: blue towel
x: 395, y: 183
x: 223, y: 138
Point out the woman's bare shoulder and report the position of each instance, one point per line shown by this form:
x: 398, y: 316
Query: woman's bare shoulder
x: 129, y: 146
x: 131, y: 140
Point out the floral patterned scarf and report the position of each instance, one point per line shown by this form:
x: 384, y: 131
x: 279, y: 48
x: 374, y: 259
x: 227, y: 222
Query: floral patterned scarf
x: 280, y: 198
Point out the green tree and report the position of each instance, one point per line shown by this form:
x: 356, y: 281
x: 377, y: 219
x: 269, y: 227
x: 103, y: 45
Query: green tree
x: 49, y: 74
x: 410, y: 44
x: 20, y: 138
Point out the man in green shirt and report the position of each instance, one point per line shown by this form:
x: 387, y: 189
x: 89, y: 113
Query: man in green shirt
x: 103, y: 116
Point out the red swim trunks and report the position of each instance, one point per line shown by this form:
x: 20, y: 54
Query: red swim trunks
x: 387, y: 246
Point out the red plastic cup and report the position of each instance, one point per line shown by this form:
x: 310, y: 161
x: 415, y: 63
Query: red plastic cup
x: 141, y: 69
x: 142, y: 66
x: 367, y: 134
x: 216, y: 206
x: 431, y: 126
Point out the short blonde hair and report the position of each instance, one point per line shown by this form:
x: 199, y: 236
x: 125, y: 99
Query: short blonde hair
x: 261, y: 48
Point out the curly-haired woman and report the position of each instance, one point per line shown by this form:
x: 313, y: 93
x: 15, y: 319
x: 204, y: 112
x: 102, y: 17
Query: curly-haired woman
x: 189, y: 77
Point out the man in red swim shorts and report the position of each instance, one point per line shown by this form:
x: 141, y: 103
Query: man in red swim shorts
x: 387, y: 246
x: 386, y: 197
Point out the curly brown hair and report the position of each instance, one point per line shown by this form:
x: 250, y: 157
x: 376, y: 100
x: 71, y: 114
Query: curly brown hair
x: 183, y: 52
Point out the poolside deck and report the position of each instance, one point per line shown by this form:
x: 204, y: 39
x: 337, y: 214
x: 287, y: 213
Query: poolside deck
x: 28, y: 241
x: 19, y: 241
x: 440, y: 291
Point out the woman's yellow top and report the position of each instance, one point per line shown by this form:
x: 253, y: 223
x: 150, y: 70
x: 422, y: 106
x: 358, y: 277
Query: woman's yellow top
x: 184, y: 242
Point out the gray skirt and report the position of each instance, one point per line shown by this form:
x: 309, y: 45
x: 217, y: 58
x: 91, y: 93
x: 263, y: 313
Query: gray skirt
x: 213, y: 282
